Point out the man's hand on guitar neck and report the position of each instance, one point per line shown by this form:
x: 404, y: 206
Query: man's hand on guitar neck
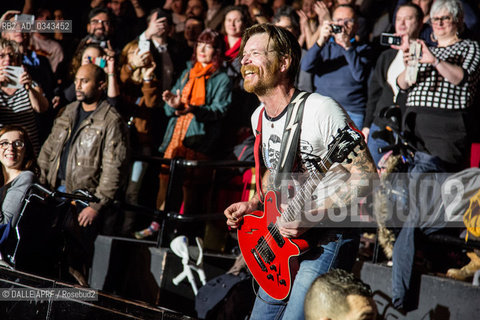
x: 236, y: 211
x: 291, y: 229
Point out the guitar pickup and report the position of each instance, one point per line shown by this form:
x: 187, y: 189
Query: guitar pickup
x: 259, y: 261
x: 272, y: 228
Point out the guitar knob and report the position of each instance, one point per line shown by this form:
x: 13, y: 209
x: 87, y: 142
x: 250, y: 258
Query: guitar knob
x: 283, y: 283
x: 273, y: 267
x: 270, y: 277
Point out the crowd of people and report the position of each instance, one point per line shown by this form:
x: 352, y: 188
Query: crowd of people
x: 183, y: 80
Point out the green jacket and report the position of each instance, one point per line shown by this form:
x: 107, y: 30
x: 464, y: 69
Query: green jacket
x: 205, y: 128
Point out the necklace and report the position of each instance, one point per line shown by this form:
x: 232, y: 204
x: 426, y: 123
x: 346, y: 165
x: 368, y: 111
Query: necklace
x: 270, y: 119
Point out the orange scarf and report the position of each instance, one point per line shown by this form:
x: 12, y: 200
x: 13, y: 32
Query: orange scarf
x: 193, y: 92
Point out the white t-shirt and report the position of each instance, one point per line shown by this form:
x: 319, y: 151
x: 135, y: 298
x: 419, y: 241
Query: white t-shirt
x: 322, y: 118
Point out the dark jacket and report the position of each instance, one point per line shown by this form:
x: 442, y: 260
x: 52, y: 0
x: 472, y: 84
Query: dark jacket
x: 340, y: 74
x: 380, y: 94
x: 97, y: 160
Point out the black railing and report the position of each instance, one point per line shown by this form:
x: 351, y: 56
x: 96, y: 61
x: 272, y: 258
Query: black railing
x: 174, y: 198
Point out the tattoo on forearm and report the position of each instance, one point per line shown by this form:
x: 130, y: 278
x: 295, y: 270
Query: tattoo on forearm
x: 362, y: 169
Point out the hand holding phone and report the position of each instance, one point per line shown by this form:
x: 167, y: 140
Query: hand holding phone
x: 13, y: 73
x: 143, y: 46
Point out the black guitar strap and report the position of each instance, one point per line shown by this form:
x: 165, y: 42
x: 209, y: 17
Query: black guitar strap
x: 290, y: 138
x: 291, y: 135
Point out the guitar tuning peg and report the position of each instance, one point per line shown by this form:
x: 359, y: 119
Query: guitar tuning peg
x: 349, y: 160
x: 354, y: 153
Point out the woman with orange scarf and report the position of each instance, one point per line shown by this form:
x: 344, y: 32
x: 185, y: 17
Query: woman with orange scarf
x: 195, y: 107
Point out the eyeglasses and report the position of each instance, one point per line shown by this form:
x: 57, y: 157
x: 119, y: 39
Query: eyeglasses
x: 10, y: 55
x: 17, y: 144
x: 344, y: 21
x: 437, y: 20
x: 98, y: 21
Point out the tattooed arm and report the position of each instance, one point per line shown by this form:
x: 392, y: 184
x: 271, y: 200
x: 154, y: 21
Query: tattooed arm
x: 361, y: 171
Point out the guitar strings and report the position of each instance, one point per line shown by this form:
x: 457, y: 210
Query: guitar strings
x: 264, y: 247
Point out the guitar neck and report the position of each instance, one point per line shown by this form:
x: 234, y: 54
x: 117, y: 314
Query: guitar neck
x: 305, y: 193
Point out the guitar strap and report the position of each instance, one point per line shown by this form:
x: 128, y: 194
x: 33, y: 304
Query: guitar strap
x: 290, y: 140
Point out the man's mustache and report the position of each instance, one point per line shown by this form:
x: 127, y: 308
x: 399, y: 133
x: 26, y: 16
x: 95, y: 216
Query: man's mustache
x: 249, y: 68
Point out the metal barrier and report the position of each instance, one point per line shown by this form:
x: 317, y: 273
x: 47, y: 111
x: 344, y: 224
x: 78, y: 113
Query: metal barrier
x: 173, y: 198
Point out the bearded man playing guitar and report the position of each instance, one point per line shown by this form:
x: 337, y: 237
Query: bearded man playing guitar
x: 270, y: 58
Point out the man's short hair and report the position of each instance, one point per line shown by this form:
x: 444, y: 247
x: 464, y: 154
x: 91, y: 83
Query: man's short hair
x: 96, y: 11
x: 198, y: 19
x: 327, y: 295
x: 99, y: 74
x: 160, y: 14
x: 347, y: 6
x: 281, y: 41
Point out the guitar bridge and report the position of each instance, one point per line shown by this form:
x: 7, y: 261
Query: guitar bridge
x: 259, y: 261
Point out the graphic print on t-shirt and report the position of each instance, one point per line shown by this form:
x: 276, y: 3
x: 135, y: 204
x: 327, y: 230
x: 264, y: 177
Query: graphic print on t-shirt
x: 271, y: 154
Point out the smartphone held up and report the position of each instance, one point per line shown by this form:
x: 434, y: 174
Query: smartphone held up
x: 389, y: 39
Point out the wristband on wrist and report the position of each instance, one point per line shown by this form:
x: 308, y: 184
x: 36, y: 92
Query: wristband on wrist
x: 147, y: 79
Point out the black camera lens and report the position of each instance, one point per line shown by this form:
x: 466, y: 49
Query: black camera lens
x: 336, y: 28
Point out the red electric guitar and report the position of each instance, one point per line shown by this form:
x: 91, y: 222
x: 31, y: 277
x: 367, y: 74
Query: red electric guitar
x: 271, y: 258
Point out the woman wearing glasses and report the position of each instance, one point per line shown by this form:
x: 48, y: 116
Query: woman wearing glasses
x: 440, y: 99
x: 17, y: 175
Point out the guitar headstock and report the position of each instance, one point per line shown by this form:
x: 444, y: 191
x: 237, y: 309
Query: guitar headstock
x: 343, y: 145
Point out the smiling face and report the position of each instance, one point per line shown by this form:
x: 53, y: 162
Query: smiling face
x: 234, y: 23
x: 12, y: 150
x: 204, y: 53
x: 99, y: 26
x: 260, y: 66
x: 443, y: 25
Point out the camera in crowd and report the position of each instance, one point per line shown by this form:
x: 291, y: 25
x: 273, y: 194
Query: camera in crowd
x: 336, y: 28
x: 388, y: 39
x: 101, y: 43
